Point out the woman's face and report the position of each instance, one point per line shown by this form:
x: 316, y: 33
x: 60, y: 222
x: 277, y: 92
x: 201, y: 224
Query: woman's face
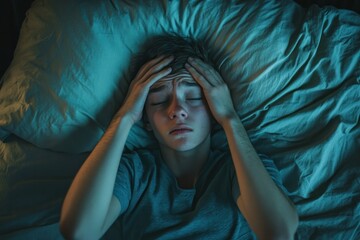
x: 177, y: 112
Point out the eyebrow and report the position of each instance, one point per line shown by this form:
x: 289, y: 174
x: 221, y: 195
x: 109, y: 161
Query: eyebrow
x: 162, y: 87
x: 190, y: 84
x: 157, y: 89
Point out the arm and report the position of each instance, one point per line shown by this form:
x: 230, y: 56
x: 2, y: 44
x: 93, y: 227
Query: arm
x: 89, y: 207
x: 267, y: 210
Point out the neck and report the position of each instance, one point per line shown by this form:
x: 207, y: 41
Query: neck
x: 186, y: 165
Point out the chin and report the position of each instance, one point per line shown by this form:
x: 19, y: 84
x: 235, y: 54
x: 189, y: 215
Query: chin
x: 185, y: 144
x: 184, y: 148
x: 181, y: 146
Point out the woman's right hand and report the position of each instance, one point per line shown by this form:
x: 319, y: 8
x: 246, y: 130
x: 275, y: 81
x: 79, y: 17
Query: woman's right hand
x: 148, y: 74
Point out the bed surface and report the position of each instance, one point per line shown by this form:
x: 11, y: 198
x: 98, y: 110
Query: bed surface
x: 294, y: 74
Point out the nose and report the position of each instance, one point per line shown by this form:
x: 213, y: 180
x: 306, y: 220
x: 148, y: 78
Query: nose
x: 177, y: 110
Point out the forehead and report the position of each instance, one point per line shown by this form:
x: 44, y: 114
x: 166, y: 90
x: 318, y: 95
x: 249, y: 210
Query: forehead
x: 180, y: 78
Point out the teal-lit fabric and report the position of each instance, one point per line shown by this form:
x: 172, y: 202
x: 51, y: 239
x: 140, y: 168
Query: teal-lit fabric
x: 155, y: 207
x: 293, y: 73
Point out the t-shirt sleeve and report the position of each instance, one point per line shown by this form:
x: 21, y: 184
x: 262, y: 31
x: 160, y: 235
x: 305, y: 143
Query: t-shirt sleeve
x: 123, y: 187
x: 271, y: 169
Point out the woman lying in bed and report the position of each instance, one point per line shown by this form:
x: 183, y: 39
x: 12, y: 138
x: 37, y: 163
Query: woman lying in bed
x: 184, y: 189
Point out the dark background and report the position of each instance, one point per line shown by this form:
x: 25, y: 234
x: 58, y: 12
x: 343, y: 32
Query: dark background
x: 13, y: 12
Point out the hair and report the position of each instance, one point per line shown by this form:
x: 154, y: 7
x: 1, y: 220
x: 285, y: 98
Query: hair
x: 171, y: 44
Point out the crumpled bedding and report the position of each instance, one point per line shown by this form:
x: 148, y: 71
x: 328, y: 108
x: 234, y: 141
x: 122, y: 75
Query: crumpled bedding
x: 294, y: 75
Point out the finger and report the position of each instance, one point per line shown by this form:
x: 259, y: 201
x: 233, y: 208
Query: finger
x: 151, y: 66
x: 146, y: 66
x: 154, y: 65
x: 199, y: 78
x: 157, y: 76
x: 206, y: 70
x: 159, y: 66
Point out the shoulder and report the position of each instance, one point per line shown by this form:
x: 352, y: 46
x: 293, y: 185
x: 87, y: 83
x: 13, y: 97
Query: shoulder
x: 134, y: 167
x: 140, y: 158
x: 140, y: 154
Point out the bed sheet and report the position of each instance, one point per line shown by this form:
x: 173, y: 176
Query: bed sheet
x: 33, y: 183
x: 299, y: 101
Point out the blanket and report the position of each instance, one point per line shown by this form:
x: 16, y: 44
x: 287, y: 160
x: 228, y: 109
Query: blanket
x: 294, y: 75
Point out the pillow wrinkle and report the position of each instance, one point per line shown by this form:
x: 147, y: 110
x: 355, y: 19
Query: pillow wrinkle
x: 73, y: 68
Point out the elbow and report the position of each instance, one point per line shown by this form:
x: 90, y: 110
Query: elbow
x: 70, y: 230
x: 284, y: 231
x: 288, y: 227
x: 281, y: 234
x: 292, y: 225
x: 67, y: 230
x: 285, y: 234
x: 71, y: 233
x: 287, y: 231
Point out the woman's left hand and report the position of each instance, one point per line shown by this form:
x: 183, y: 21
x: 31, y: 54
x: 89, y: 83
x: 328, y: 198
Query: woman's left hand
x: 216, y: 91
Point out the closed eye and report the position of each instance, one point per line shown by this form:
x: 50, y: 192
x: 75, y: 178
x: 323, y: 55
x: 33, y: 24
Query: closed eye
x: 165, y: 101
x: 157, y: 103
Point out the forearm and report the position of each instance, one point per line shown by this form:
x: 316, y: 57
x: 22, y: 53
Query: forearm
x: 267, y: 210
x: 88, y: 199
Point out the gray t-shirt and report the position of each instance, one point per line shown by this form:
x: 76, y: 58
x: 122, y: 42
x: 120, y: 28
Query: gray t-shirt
x: 155, y: 207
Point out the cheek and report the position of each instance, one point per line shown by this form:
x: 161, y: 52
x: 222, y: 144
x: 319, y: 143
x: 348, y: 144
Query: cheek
x: 203, y: 110
x: 156, y: 119
x: 204, y: 115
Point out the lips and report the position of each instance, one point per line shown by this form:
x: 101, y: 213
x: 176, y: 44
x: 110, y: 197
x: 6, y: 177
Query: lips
x: 180, y: 130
